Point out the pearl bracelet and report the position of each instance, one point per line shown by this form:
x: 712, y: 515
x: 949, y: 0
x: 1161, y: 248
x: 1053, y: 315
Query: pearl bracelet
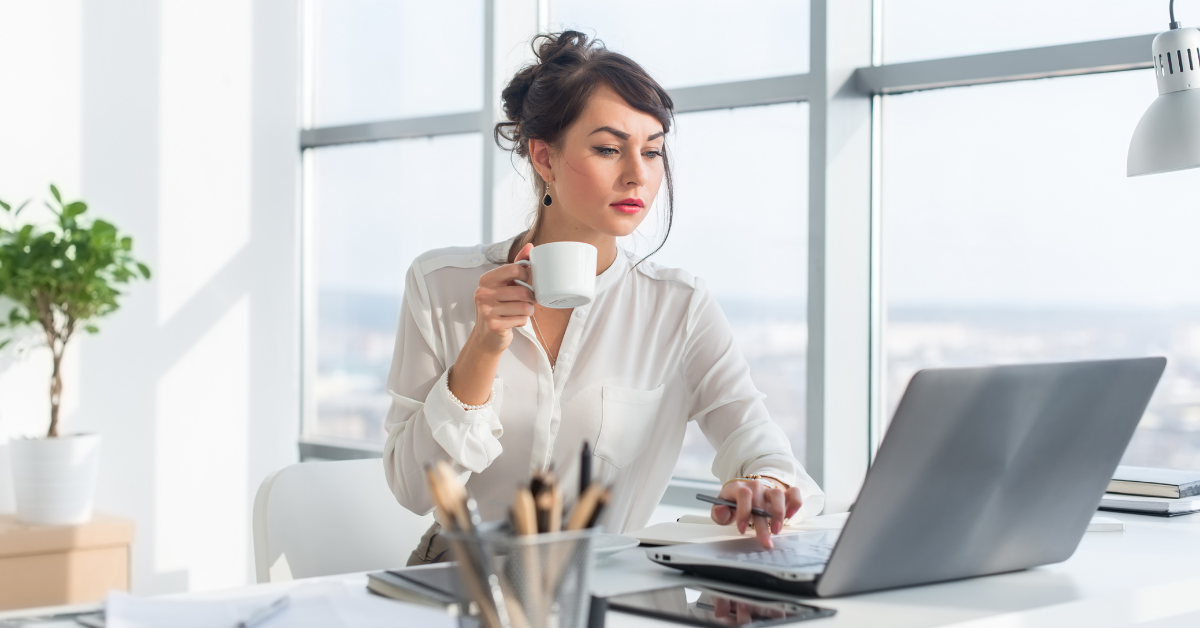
x: 469, y: 407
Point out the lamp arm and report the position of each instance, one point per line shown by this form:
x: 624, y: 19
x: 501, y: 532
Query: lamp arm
x: 1171, y: 7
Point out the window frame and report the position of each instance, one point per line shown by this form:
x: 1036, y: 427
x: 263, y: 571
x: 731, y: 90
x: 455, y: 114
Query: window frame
x: 846, y: 88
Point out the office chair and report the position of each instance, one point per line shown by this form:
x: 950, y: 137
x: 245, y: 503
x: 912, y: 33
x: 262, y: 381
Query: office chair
x: 323, y: 518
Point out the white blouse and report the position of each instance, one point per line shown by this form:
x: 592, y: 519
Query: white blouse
x: 650, y: 353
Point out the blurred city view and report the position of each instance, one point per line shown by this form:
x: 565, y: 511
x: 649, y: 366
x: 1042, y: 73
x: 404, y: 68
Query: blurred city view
x: 357, y: 343
x: 1169, y: 433
x: 357, y: 338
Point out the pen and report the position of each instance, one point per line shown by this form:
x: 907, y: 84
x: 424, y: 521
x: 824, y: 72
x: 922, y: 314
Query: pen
x: 585, y: 469
x: 265, y: 613
x: 725, y: 502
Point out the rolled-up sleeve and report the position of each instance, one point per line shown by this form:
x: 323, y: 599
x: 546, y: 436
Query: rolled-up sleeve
x: 423, y: 423
x: 722, y: 399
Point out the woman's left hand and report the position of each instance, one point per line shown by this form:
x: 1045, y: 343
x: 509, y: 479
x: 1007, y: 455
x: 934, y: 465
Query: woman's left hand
x: 779, y: 502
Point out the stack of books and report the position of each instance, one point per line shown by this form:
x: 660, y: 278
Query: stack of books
x: 1150, y: 491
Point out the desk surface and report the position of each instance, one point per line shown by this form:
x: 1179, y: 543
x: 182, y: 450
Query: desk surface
x: 1148, y: 575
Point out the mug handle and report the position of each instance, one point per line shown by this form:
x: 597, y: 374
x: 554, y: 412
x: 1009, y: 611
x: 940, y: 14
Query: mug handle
x: 524, y: 262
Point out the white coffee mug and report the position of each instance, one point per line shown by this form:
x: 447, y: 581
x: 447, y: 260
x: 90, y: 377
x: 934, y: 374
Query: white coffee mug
x: 564, y: 274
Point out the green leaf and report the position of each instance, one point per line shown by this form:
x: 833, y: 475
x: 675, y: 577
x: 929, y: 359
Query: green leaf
x: 74, y: 209
x: 126, y: 244
x: 18, y: 212
x: 91, y: 329
x: 5, y: 343
x: 145, y: 270
x: 57, y: 196
x: 6, y: 206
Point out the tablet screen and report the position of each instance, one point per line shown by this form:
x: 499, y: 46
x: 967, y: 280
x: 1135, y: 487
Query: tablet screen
x: 704, y: 606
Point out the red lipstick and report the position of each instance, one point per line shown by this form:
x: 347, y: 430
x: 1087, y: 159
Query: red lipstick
x: 628, y: 205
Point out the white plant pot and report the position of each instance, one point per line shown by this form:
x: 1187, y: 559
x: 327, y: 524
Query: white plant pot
x: 55, y: 478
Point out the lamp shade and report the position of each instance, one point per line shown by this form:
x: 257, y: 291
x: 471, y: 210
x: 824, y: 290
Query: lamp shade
x: 1168, y: 136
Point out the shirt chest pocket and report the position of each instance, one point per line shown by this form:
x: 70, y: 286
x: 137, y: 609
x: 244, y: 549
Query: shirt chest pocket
x: 627, y: 420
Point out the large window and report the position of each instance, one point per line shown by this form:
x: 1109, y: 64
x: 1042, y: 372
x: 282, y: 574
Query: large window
x: 988, y: 221
x: 757, y: 275
x: 384, y: 59
x: 1013, y: 235
x: 934, y: 29
x: 377, y: 198
x: 376, y: 206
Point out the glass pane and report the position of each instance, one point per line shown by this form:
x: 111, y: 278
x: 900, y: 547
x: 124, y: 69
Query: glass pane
x: 1013, y: 235
x: 741, y: 225
x: 693, y: 42
x: 931, y: 29
x: 373, y: 62
x: 376, y: 207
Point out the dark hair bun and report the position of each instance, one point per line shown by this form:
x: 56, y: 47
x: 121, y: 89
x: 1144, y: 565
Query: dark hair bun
x: 545, y: 97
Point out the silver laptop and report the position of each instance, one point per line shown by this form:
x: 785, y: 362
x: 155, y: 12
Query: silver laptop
x: 983, y: 471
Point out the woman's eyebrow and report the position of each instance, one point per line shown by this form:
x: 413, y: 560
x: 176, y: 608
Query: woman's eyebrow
x: 620, y: 134
x: 623, y: 135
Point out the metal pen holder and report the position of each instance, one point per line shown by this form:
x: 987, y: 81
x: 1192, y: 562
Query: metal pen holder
x: 536, y: 581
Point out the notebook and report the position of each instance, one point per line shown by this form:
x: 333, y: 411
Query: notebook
x: 1158, y: 506
x: 1152, y: 482
x: 701, y: 529
x: 429, y: 586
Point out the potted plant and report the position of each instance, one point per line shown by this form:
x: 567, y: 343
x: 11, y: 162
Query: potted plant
x: 59, y: 279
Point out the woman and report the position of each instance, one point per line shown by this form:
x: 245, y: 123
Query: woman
x: 499, y: 386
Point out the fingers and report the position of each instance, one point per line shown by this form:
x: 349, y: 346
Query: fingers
x: 745, y: 501
x: 720, y: 607
x: 721, y: 515
x: 511, y: 293
x: 762, y: 530
x: 793, y: 502
x: 524, y: 252
x: 742, y: 612
x: 775, y: 503
x: 505, y: 308
x: 504, y: 275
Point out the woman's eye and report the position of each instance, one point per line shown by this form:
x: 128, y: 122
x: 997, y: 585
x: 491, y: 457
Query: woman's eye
x: 652, y: 154
x: 606, y: 151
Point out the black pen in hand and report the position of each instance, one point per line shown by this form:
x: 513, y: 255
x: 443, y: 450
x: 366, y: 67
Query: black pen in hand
x: 725, y: 502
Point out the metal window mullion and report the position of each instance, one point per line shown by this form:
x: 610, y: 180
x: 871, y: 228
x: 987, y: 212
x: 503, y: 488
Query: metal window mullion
x: 839, y: 270
x: 751, y: 93
x: 486, y: 119
x: 1092, y: 57
x: 399, y: 129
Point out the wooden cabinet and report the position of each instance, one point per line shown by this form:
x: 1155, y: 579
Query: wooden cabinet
x: 50, y: 565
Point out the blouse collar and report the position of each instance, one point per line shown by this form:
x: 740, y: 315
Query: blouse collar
x: 614, y: 272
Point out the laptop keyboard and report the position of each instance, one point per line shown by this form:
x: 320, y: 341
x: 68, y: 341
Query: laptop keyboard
x: 806, y: 556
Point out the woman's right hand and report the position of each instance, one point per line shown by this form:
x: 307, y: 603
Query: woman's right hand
x: 501, y: 305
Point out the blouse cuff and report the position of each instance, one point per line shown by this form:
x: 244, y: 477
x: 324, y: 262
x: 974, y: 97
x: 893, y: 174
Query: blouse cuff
x: 812, y: 498
x: 471, y: 437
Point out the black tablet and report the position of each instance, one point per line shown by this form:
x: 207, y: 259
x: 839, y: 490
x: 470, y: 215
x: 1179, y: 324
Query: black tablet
x: 699, y: 605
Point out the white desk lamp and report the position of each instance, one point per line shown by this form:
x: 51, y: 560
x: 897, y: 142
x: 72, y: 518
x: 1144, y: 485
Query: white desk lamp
x: 1168, y: 136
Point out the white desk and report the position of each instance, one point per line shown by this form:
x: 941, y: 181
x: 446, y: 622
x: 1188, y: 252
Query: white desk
x: 1147, y: 576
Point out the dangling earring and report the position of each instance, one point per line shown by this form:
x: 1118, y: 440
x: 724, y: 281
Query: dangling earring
x: 546, y: 200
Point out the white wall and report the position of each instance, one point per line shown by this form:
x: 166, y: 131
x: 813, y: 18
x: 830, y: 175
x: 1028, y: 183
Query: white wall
x: 178, y: 121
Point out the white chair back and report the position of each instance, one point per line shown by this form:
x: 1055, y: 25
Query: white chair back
x: 322, y: 518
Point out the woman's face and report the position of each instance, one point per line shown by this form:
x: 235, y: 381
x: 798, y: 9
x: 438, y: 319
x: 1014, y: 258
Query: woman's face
x: 606, y: 170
